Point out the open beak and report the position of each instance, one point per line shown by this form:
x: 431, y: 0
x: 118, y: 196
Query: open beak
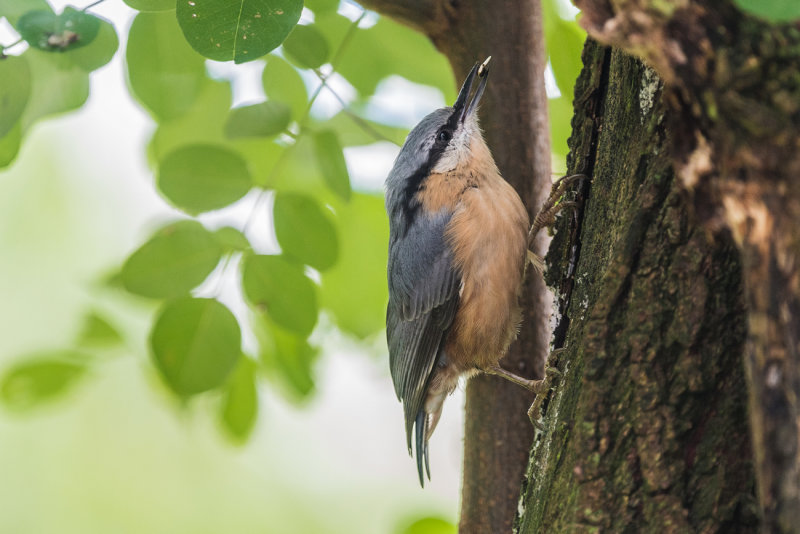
x: 464, y: 107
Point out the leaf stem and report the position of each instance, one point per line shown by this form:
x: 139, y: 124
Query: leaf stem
x: 3, y: 48
x: 221, y: 278
x: 303, y: 120
x: 354, y: 116
x: 90, y: 6
x: 351, y: 31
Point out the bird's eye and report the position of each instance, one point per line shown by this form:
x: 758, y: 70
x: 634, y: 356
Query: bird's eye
x: 444, y: 136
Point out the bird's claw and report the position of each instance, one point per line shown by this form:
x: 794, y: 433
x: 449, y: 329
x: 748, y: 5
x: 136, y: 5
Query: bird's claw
x: 551, y: 207
x: 542, y: 388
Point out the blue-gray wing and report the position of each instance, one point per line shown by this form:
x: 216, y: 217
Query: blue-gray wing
x: 423, y: 297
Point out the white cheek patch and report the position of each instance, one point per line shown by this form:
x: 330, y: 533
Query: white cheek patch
x: 458, y: 150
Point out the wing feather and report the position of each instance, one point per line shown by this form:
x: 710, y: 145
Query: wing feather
x: 423, y: 297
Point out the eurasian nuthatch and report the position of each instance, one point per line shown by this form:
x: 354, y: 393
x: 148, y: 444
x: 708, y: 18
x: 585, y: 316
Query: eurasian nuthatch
x: 457, y: 251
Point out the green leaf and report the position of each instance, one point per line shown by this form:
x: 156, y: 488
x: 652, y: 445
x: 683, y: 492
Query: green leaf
x: 564, y: 41
x: 283, y: 83
x: 13, y: 96
x: 151, y: 5
x: 165, y: 74
x: 58, y: 85
x: 49, y: 32
x: 282, y: 290
x: 304, y: 231
x: 200, y: 123
x: 287, y: 357
x: 231, y: 239
x: 429, y: 525
x: 241, y: 30
x: 259, y: 120
x: 307, y: 47
x: 97, y: 331
x: 204, y: 123
x: 322, y: 6
x: 9, y: 145
x: 196, y: 343
x: 394, y: 49
x: 772, y: 10
x: 331, y: 162
x: 299, y: 171
x: 361, y: 268
x: 174, y: 260
x: 261, y: 154
x: 560, y: 111
x: 40, y: 379
x: 200, y: 178
x: 14, y: 9
x: 240, y: 401
x: 99, y: 52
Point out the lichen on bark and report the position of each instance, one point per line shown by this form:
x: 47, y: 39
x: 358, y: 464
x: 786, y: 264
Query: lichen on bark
x: 647, y: 430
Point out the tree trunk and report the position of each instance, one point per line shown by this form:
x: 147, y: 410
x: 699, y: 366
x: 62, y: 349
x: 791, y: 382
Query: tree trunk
x: 513, y: 114
x: 645, y: 432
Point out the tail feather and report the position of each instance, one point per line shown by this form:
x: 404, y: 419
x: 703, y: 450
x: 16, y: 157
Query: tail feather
x: 427, y: 461
x: 422, y: 446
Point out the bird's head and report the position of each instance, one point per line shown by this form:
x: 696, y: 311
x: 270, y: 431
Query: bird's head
x: 443, y: 140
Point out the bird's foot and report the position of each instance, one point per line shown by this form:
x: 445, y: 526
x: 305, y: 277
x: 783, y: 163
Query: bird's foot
x: 536, y: 261
x: 542, y: 389
x: 547, y: 214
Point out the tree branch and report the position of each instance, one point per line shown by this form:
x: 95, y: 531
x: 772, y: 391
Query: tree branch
x: 513, y: 114
x: 426, y: 16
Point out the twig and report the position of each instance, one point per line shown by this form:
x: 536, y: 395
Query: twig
x: 302, y: 122
x: 90, y: 6
x: 367, y: 127
x: 6, y: 47
x: 351, y: 31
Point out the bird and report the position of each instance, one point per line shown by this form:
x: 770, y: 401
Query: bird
x: 458, y: 250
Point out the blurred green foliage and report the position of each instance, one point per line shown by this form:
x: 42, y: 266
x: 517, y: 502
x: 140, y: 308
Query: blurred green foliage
x: 429, y: 525
x: 207, y: 155
x: 68, y: 30
x: 41, y: 378
x: 772, y: 10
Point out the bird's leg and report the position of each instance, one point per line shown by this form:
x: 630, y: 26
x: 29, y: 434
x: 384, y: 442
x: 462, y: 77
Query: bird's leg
x: 547, y: 214
x: 532, y: 385
x: 537, y: 386
x: 550, y: 372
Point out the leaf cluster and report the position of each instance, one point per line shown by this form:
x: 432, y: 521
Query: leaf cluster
x: 279, y: 158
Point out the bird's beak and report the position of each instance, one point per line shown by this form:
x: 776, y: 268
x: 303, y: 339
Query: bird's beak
x: 464, y: 107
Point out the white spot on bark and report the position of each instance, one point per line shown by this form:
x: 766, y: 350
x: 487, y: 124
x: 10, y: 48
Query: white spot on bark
x: 647, y: 92
x: 555, y: 317
x: 773, y: 376
x: 698, y: 163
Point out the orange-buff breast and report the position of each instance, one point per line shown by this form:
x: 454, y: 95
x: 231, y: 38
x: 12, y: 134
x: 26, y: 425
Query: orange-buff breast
x: 488, y: 237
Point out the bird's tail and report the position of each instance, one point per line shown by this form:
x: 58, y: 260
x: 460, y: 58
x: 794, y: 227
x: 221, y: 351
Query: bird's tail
x: 422, y: 446
x: 425, y: 423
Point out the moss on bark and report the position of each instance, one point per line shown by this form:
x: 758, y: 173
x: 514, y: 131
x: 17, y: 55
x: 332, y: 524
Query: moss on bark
x: 647, y: 430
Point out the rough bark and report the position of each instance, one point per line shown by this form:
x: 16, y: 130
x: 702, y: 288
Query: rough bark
x: 645, y: 432
x: 733, y: 95
x: 513, y: 115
